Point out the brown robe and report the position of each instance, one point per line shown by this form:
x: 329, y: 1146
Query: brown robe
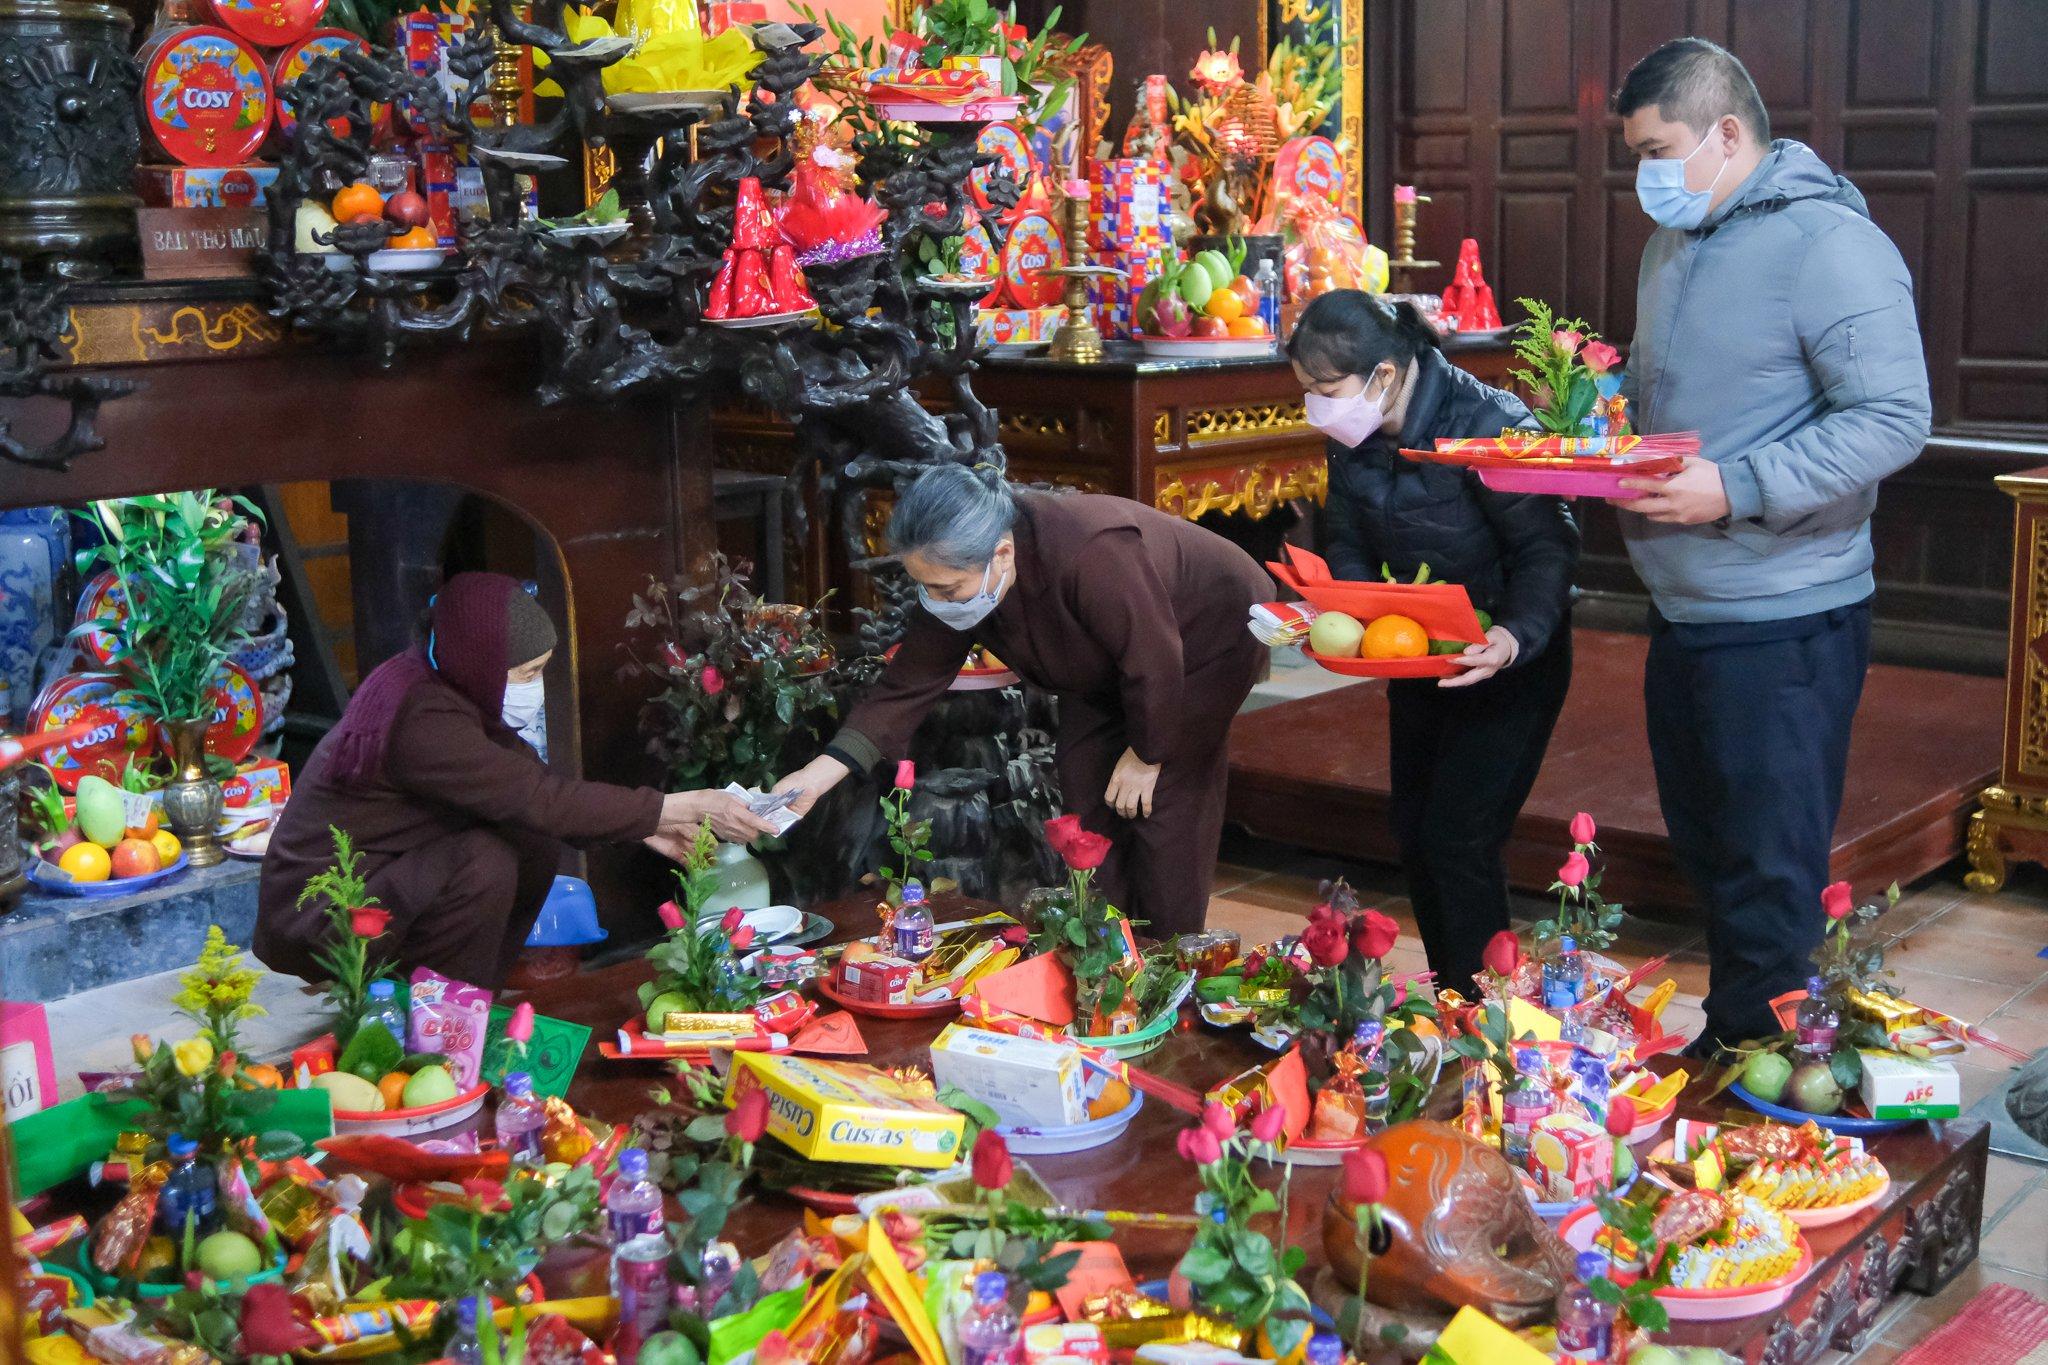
x: 1136, y: 620
x: 460, y: 839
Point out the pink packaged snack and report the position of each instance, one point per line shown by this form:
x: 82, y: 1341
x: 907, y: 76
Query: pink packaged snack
x: 448, y: 1016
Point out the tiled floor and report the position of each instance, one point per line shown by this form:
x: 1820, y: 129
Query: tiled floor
x: 1975, y: 955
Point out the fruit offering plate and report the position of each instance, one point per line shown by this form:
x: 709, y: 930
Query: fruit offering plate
x: 1701, y: 1305
x: 1835, y: 1123
x: 1303, y: 1152
x: 1443, y: 610
x: 47, y: 877
x: 77, y: 1267
x: 928, y: 1009
x: 1422, y: 666
x: 983, y: 680
x: 1075, y: 1137
x: 1809, y: 1218
x: 1136, y: 1043
x: 391, y: 260
x: 424, y: 1118
x: 1205, y: 348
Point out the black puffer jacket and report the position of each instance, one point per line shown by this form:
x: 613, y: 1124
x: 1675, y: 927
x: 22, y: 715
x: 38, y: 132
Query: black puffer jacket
x: 1515, y: 553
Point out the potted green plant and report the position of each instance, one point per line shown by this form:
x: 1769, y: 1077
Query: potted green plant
x: 185, y: 582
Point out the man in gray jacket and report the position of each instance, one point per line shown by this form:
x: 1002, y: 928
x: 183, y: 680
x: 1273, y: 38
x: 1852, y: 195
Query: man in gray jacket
x: 1776, y: 320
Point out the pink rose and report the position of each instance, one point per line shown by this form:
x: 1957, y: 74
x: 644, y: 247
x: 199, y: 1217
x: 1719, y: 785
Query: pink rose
x: 1200, y: 1146
x: 731, y: 919
x: 1583, y: 828
x: 1268, y: 1123
x: 906, y: 774
x: 1566, y: 342
x: 1575, y: 868
x: 712, y: 680
x: 1621, y: 1117
x: 1838, y: 900
x: 1218, y: 1121
x: 1599, y: 357
x: 519, y: 1028
x: 670, y: 914
x: 1365, y: 1175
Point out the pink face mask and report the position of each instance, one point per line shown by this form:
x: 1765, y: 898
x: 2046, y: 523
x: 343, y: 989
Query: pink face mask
x: 1349, y: 420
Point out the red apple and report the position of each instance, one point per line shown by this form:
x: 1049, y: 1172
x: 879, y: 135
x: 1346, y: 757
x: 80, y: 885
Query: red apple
x: 408, y: 208
x: 1211, y: 329
x: 1243, y: 287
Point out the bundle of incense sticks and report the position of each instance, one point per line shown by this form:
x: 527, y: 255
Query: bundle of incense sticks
x: 1533, y: 445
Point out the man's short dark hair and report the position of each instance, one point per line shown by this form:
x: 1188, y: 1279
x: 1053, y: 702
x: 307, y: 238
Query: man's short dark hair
x: 1694, y: 82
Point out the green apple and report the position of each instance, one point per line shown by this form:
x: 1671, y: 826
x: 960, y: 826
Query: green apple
x: 429, y: 1085
x: 659, y: 1008
x: 1336, y: 635
x: 229, y: 1256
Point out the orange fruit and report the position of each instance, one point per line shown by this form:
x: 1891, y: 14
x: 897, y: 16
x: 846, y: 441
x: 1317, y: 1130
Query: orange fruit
x: 1224, y: 304
x: 148, y: 827
x: 392, y: 1088
x: 415, y: 239
x: 1247, y: 327
x: 86, y: 862
x: 263, y: 1076
x: 167, y: 846
x: 1394, y: 637
x: 357, y: 202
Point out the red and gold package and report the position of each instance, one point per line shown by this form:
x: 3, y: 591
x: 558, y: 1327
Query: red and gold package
x: 1340, y: 1105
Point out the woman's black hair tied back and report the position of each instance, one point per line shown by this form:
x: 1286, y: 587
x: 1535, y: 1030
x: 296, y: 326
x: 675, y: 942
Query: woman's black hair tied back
x: 1348, y: 331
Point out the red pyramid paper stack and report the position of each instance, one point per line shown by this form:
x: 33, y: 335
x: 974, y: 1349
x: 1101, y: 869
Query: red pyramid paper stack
x: 758, y: 277
x: 1468, y: 303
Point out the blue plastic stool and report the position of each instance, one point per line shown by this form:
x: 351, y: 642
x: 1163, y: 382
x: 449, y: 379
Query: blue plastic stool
x: 568, y: 918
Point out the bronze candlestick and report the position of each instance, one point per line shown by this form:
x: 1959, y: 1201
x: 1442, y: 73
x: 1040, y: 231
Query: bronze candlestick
x: 1078, y: 339
x: 1404, y: 263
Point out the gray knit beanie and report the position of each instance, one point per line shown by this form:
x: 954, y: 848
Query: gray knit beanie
x: 528, y: 631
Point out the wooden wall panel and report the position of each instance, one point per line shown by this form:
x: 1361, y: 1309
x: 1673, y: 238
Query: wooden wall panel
x: 1936, y: 109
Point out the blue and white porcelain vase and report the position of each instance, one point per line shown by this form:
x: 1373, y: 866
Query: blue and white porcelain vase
x: 35, y: 550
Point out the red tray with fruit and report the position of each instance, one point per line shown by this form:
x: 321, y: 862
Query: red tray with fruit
x: 1403, y: 630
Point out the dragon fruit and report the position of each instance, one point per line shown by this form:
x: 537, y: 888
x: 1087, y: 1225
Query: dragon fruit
x: 1172, y: 315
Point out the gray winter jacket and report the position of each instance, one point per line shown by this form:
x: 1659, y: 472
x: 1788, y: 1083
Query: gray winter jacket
x: 1782, y: 331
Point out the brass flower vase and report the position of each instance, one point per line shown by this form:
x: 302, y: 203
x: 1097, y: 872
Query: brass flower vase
x: 192, y: 800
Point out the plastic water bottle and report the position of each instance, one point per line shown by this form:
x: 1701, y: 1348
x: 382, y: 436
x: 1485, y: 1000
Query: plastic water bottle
x: 914, y: 935
x: 632, y: 1205
x: 191, y: 1191
x: 383, y: 1007
x: 1525, y: 1102
x: 1267, y: 282
x: 520, y: 1118
x: 641, y: 1284
x: 1815, y: 1023
x: 463, y: 1347
x: 990, y: 1334
x: 1325, y: 1348
x: 1585, y: 1326
x: 1564, y: 976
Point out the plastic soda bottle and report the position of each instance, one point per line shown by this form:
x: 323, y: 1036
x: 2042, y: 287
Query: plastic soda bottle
x: 463, y: 1347
x: 1815, y: 1023
x: 1585, y: 1326
x: 190, y: 1191
x: 914, y: 934
x: 1525, y: 1102
x: 991, y: 1334
x: 1564, y: 976
x: 632, y: 1205
x: 384, y: 1007
x: 520, y: 1118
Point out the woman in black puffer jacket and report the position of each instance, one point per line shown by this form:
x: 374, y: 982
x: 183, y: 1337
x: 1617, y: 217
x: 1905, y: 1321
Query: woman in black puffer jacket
x: 1465, y: 749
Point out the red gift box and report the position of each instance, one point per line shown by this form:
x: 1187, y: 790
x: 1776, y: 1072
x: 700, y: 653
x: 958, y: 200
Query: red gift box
x: 878, y: 980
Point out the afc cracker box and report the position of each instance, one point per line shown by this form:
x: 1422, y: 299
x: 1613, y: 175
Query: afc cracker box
x: 1896, y: 1086
x: 845, y: 1111
x: 1025, y: 1080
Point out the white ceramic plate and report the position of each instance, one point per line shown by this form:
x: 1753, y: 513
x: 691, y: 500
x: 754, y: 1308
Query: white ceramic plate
x: 392, y: 261
x: 769, y: 923
x: 1207, y: 348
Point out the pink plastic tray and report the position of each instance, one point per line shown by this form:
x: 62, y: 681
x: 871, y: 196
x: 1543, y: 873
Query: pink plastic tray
x: 1564, y: 483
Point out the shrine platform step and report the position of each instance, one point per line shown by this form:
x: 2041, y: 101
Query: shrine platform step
x: 52, y: 946
x: 1312, y: 773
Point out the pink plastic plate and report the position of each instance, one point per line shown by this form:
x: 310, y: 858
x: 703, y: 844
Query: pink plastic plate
x: 1564, y: 483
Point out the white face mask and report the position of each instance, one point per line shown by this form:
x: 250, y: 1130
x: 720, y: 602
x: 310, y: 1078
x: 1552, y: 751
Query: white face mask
x: 968, y: 614
x: 526, y: 711
x: 1349, y: 420
x: 1660, y: 189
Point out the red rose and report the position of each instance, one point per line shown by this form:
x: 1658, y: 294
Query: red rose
x: 1503, y: 953
x: 1365, y: 1176
x: 670, y: 914
x: 1575, y: 868
x: 1583, y: 828
x: 1268, y: 1124
x: 1373, y: 934
x: 1015, y: 936
x: 991, y: 1161
x: 906, y: 774
x: 228, y: 1063
x: 672, y: 655
x: 1325, y: 943
x: 732, y: 919
x: 1199, y: 1145
x: 1218, y: 1121
x: 1254, y: 963
x: 749, y: 1118
x: 1060, y: 832
x: 712, y: 680
x: 1838, y: 900
x: 1621, y: 1117
x: 743, y: 938
x: 368, y: 921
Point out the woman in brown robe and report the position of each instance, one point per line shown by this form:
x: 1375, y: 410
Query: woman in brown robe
x: 1133, y: 618
x: 458, y: 822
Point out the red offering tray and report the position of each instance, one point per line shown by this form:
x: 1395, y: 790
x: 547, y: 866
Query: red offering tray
x: 1444, y: 610
x: 1426, y: 666
x: 926, y: 1011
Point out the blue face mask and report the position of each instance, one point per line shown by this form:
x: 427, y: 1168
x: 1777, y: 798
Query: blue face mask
x: 969, y: 613
x: 1660, y: 188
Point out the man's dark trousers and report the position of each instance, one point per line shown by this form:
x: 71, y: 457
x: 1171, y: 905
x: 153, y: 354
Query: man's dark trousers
x: 1749, y: 732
